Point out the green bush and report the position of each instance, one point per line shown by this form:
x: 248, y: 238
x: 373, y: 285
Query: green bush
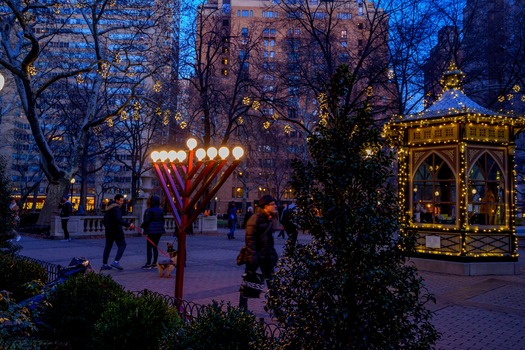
x: 76, y: 305
x: 144, y: 322
x: 350, y: 287
x: 6, y: 214
x: 21, y: 277
x: 221, y: 330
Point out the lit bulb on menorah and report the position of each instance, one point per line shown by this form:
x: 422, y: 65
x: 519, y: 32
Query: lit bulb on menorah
x: 186, y: 177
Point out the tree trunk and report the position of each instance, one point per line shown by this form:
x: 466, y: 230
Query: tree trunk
x: 56, y: 191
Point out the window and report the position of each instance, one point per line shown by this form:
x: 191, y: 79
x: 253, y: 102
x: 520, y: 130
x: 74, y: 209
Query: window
x: 434, y: 192
x: 224, y: 72
x: 486, y: 192
x: 224, y: 60
x: 225, y: 23
x: 343, y: 43
x: 344, y: 34
x: 237, y: 192
x: 244, y: 32
x: 360, y: 26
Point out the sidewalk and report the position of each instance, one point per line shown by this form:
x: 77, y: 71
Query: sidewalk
x: 472, y: 312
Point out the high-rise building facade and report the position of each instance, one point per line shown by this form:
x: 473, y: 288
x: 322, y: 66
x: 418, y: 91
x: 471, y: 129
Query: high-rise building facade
x: 284, y: 52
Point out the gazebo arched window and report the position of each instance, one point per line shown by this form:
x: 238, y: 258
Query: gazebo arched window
x: 486, y: 192
x: 434, y: 192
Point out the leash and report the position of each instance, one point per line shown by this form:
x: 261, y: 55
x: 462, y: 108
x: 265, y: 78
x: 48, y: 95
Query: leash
x: 143, y: 235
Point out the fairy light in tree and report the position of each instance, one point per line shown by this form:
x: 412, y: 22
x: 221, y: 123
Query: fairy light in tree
x: 183, y: 125
x: 266, y: 125
x: 240, y: 120
x: 246, y: 101
x: 256, y: 105
x: 157, y: 86
x: 79, y: 79
x: 124, y: 115
x: 31, y: 70
x: 117, y: 58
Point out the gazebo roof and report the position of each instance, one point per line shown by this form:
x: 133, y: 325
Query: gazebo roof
x: 452, y: 102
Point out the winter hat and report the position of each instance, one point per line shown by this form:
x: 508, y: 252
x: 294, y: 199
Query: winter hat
x: 265, y: 200
x: 66, y: 197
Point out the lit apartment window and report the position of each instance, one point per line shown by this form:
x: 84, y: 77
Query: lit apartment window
x: 244, y: 32
x: 272, y: 54
x: 344, y: 34
x: 225, y: 72
x: 343, y: 43
x: 224, y: 60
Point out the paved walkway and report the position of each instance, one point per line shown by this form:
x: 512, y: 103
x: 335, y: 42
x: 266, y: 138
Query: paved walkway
x: 472, y: 312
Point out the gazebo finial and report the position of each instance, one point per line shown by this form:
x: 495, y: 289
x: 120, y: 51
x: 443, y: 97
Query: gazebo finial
x: 452, y: 78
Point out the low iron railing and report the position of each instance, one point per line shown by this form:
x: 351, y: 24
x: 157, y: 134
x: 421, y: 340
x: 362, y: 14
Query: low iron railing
x: 189, y: 310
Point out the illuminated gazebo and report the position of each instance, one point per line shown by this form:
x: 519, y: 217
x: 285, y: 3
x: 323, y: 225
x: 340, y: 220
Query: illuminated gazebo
x: 457, y: 183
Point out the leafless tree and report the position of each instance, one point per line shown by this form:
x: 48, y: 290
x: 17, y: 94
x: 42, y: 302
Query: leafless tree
x: 99, y: 45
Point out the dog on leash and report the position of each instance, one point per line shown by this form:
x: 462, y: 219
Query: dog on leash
x: 168, y: 265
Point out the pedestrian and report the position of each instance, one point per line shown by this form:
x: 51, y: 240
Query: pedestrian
x: 66, y: 209
x: 153, y: 225
x: 288, y: 220
x: 247, y: 216
x: 15, y: 213
x: 282, y: 232
x: 261, y: 253
x: 113, y: 224
x: 232, y: 220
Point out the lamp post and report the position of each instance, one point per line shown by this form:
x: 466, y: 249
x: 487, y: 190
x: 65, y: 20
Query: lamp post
x: 187, y: 181
x: 72, y: 182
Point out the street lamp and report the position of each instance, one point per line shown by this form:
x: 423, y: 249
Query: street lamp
x: 72, y: 182
x: 187, y: 181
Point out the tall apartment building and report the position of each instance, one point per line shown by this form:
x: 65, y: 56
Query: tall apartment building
x: 135, y: 39
x: 286, y: 61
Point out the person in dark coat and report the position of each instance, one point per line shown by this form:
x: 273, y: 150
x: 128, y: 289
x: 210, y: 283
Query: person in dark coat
x: 232, y: 220
x: 113, y: 224
x: 247, y: 216
x: 66, y: 209
x: 153, y: 225
x: 259, y: 241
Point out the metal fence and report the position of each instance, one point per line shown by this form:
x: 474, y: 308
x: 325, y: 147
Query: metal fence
x: 188, y: 310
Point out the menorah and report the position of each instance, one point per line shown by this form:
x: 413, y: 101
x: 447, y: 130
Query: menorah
x: 187, y: 183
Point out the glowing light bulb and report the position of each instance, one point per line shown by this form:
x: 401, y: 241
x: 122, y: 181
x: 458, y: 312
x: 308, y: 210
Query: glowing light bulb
x: 200, y: 154
x: 163, y: 156
x: 155, y: 156
x: 212, y: 152
x: 238, y: 152
x: 224, y: 152
x: 181, y: 155
x: 172, y: 155
x: 191, y: 143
